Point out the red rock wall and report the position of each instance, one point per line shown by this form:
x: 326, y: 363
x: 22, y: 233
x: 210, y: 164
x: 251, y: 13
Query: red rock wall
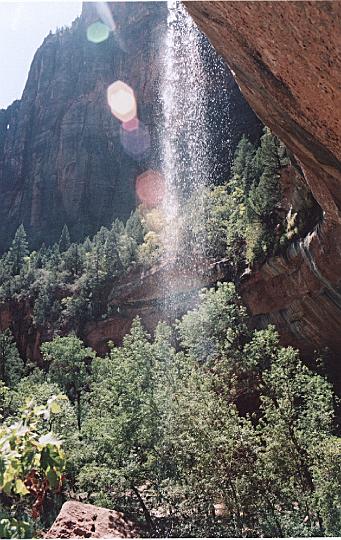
x: 286, y: 59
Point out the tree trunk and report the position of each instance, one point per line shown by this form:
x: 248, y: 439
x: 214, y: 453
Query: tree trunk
x: 146, y: 513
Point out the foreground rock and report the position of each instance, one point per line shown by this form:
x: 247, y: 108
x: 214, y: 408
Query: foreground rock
x: 78, y: 520
x: 286, y: 60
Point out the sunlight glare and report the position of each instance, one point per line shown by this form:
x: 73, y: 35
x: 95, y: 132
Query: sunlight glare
x: 122, y: 102
x: 150, y: 188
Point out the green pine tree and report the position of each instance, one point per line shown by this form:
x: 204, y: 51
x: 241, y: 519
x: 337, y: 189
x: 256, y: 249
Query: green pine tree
x: 64, y: 241
x: 135, y: 228
x: 111, y: 259
x: 265, y: 196
x: 18, y: 250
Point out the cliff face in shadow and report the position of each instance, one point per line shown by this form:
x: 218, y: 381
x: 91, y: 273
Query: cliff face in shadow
x: 60, y: 153
x: 286, y: 59
x: 61, y: 160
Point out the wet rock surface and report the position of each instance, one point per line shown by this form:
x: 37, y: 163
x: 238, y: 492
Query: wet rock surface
x: 286, y: 59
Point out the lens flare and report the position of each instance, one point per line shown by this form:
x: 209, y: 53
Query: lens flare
x: 122, y: 102
x: 150, y: 188
x: 131, y: 125
x: 136, y: 142
x: 97, y: 32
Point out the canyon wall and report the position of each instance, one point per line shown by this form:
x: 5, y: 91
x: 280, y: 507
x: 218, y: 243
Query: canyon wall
x: 285, y: 57
x: 61, y: 160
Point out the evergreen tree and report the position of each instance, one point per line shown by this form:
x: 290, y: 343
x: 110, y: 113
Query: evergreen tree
x: 87, y: 245
x: 18, y: 250
x: 127, y: 249
x: 111, y: 259
x: 135, y: 228
x: 118, y: 228
x: 74, y: 259
x: 244, y: 164
x: 265, y: 196
x: 64, y: 241
x: 101, y: 236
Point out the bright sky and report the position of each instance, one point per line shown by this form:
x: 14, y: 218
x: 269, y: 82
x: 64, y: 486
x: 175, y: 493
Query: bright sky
x: 23, y: 26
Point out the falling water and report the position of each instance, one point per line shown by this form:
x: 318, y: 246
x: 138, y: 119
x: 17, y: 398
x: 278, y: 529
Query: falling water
x: 185, y: 142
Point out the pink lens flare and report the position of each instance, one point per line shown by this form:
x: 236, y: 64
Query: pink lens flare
x: 150, y: 188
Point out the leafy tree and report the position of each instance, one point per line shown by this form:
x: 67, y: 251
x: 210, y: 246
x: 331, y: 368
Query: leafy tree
x: 166, y: 428
x: 119, y: 447
x: 11, y: 365
x: 219, y: 324
x: 69, y: 366
x: 31, y: 465
x: 149, y: 251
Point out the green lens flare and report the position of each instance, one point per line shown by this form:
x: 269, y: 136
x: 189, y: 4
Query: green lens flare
x: 97, y: 32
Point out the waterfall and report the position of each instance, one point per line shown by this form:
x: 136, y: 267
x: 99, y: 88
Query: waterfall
x: 185, y: 149
x: 187, y: 156
x: 184, y: 143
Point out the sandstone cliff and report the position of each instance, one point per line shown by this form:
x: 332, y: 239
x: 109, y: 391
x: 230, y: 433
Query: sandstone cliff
x: 286, y: 59
x: 61, y: 160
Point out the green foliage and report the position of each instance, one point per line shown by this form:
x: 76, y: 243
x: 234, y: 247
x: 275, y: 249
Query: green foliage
x: 135, y: 228
x: 166, y: 432
x: 122, y: 394
x: 70, y: 367
x: 18, y: 251
x: 242, y: 220
x: 74, y: 260
x: 64, y: 241
x: 69, y: 283
x: 209, y: 428
x: 216, y: 327
x: 11, y: 365
x: 31, y: 465
x: 265, y: 194
x: 245, y: 166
